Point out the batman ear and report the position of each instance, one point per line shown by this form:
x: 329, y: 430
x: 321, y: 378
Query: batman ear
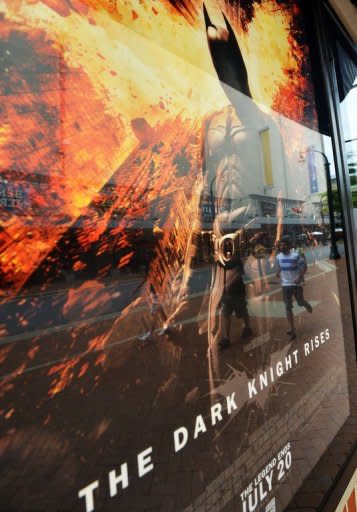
x: 229, y: 27
x: 208, y: 21
x: 239, y: 61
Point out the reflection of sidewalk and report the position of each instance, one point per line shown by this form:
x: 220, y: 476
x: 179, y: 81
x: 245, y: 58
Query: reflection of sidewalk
x: 338, y: 460
x: 305, y: 406
x: 163, y: 385
x: 310, y: 402
x: 263, y: 306
x: 276, y: 309
x: 135, y: 282
x: 258, y: 304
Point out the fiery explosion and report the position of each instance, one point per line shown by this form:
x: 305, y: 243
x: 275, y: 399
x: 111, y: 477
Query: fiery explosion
x: 102, y: 106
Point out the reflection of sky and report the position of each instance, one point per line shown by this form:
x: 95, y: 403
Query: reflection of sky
x: 349, y: 122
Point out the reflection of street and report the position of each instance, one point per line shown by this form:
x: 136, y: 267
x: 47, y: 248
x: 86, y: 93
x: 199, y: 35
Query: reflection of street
x: 48, y: 310
x: 159, y: 386
x: 48, y: 318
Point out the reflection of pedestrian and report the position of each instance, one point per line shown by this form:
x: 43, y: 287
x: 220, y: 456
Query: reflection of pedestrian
x: 255, y: 269
x: 233, y: 300
x: 291, y: 270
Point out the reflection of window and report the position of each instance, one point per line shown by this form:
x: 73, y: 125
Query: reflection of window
x: 268, y: 208
x: 266, y: 151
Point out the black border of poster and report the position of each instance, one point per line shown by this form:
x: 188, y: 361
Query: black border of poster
x: 343, y: 449
x: 322, y: 15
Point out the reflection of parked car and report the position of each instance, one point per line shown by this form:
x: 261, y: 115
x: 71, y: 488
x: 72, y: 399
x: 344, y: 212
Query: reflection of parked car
x: 302, y: 239
x: 339, y: 233
x: 320, y: 237
x: 311, y: 238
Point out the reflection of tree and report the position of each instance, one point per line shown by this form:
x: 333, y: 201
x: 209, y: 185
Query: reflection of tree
x: 335, y: 201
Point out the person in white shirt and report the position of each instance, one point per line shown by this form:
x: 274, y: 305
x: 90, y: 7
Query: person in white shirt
x: 291, y: 270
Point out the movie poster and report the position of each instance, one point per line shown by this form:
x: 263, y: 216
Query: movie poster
x: 170, y: 324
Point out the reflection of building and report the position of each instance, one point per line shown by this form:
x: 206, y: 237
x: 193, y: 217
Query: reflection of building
x: 263, y: 212
x: 16, y: 191
x: 299, y: 217
x: 12, y: 195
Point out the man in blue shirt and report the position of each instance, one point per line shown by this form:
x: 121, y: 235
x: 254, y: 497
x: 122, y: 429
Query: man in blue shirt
x: 291, y: 270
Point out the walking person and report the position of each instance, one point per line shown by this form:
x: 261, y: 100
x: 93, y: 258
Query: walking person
x: 291, y: 270
x: 233, y: 300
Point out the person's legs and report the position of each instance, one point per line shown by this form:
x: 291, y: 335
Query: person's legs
x: 226, y: 314
x: 246, y: 319
x: 241, y: 311
x: 288, y: 300
x: 226, y: 326
x: 290, y: 317
x: 247, y: 331
x: 300, y: 299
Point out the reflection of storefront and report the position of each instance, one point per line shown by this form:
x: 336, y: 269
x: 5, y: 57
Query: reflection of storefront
x: 305, y: 221
x: 168, y: 299
x: 12, y: 195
